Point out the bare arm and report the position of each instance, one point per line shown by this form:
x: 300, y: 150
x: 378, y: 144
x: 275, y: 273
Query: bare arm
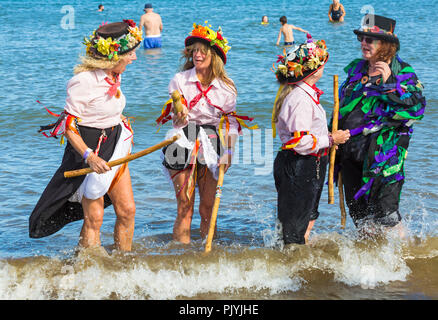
x: 329, y: 12
x: 141, y: 23
x: 279, y: 37
x: 343, y: 11
x: 227, y: 157
x: 161, y: 25
x: 299, y: 29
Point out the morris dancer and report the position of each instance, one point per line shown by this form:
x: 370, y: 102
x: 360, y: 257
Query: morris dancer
x: 300, y: 166
x: 379, y: 101
x: 208, y: 125
x: 97, y: 132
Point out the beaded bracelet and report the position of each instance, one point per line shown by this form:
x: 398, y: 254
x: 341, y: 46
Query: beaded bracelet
x: 331, y: 140
x: 86, y: 154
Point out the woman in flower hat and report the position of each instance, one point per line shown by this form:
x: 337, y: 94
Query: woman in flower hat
x: 208, y: 124
x: 97, y: 132
x: 299, y: 118
x: 379, y: 101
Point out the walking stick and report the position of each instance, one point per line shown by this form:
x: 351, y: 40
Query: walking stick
x: 331, y: 193
x: 80, y: 172
x: 217, y: 200
x: 331, y: 196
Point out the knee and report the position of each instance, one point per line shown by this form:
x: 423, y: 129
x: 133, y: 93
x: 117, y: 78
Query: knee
x: 126, y: 212
x: 94, y: 220
x: 185, y: 206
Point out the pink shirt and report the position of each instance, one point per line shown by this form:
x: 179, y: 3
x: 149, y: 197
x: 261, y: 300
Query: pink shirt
x: 300, y: 113
x: 204, y: 113
x: 87, y: 99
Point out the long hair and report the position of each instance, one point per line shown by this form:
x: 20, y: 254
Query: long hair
x: 89, y: 63
x: 217, y: 67
x: 287, y: 88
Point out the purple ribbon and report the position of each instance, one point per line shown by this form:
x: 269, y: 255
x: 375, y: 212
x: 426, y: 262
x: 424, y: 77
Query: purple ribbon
x: 364, y: 189
x: 381, y: 157
x: 400, y: 79
x: 358, y: 130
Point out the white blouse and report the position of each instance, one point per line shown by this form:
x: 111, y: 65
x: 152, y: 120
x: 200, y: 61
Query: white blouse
x: 204, y: 113
x: 300, y: 112
x: 87, y: 99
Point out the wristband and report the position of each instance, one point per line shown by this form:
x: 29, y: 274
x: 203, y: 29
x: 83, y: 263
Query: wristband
x: 331, y: 140
x: 86, y: 154
x: 229, y: 151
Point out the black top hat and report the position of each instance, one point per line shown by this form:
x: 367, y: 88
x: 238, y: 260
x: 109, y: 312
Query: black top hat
x: 378, y: 27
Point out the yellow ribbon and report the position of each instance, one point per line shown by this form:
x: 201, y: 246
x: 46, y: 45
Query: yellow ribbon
x: 227, y: 124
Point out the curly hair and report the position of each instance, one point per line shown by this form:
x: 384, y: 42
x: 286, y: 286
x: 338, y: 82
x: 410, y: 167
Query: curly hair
x: 89, y: 63
x: 386, y: 51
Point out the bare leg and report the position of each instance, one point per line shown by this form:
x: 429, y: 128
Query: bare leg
x: 207, y: 190
x: 183, y: 221
x: 93, y: 218
x: 122, y: 198
x: 400, y: 229
x: 309, y: 228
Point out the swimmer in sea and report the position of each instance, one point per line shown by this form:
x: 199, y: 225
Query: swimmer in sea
x: 336, y: 12
x: 287, y: 30
x: 265, y: 20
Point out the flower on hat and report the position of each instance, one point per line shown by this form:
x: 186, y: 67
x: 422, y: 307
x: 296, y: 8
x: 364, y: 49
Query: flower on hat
x: 111, y: 48
x: 302, y: 58
x: 215, y: 38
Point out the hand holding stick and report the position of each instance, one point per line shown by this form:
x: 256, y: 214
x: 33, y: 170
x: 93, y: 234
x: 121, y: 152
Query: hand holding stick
x: 80, y: 172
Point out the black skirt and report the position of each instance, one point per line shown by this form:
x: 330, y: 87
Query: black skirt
x: 53, y: 210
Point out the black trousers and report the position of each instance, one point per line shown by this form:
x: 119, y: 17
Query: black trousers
x: 299, y: 189
x: 381, y: 208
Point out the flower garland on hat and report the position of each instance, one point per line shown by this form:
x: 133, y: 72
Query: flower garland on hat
x: 215, y: 38
x: 302, y: 58
x: 111, y: 48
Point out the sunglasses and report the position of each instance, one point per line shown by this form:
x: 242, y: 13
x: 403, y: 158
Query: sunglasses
x: 368, y: 40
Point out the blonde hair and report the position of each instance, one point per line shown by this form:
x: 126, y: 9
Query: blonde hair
x: 217, y: 67
x: 89, y: 63
x: 279, y: 102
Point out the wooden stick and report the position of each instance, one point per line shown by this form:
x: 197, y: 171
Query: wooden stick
x: 331, y: 193
x: 341, y: 201
x: 80, y: 172
x: 217, y: 200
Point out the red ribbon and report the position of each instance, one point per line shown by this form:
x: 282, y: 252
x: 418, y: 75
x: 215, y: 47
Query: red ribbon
x: 204, y: 94
x: 200, y: 95
x: 318, y: 92
x: 114, y: 86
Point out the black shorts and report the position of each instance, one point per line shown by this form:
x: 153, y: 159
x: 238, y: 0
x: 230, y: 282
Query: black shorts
x: 177, y: 157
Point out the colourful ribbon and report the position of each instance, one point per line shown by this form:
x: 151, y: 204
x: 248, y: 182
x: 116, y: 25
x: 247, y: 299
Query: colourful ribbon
x: 112, y: 91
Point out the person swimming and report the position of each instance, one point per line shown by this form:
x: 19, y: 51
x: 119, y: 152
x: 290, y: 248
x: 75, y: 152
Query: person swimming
x: 336, y: 12
x: 264, y: 20
x: 288, y: 31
